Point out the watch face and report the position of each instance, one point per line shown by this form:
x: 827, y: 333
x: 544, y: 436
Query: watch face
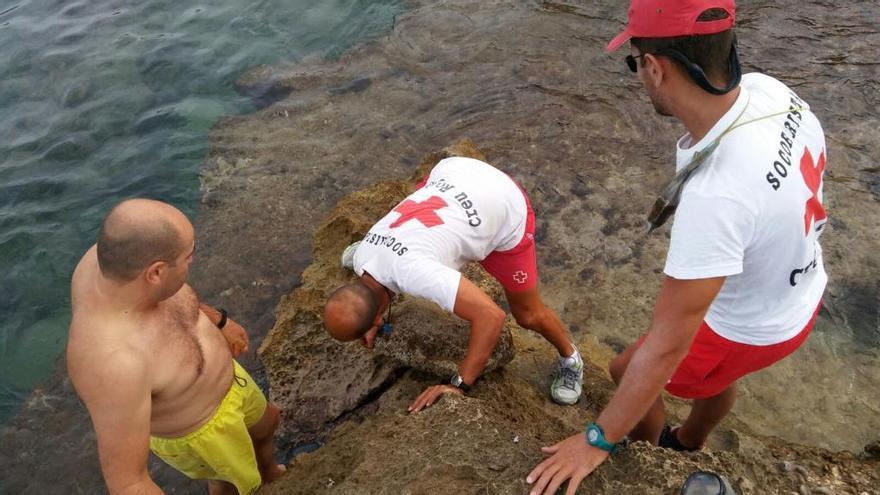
x: 593, y: 435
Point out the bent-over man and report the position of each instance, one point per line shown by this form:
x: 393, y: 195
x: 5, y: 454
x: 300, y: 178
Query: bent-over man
x: 465, y: 210
x: 155, y: 367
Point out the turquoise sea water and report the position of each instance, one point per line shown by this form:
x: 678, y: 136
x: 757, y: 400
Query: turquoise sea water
x: 103, y: 100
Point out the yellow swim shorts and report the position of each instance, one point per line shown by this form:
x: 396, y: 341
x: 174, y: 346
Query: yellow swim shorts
x: 221, y: 449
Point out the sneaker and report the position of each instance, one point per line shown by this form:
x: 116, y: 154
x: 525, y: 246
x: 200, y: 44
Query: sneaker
x: 348, y: 255
x: 566, y: 386
x: 669, y: 440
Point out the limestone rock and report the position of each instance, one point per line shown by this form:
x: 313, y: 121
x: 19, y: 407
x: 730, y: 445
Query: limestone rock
x: 426, y: 338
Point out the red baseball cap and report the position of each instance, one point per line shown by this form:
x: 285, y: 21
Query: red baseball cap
x: 670, y: 18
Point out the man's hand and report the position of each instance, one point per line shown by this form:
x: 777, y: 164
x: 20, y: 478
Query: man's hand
x: 573, y: 458
x: 236, y: 337
x: 430, y: 395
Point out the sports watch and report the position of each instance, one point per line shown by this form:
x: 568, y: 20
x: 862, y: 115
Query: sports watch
x: 596, y: 438
x: 458, y: 382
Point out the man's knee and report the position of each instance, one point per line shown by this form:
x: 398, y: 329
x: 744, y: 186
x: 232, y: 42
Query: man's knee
x: 530, y: 318
x: 267, y: 425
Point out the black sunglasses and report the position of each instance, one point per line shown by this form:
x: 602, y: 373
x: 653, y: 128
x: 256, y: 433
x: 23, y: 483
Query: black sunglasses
x: 695, y: 71
x: 631, y: 62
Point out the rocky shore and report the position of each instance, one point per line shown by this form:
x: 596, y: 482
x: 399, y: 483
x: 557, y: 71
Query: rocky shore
x: 485, y: 442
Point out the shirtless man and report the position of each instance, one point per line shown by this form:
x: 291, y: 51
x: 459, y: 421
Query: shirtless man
x: 466, y: 210
x: 152, y: 367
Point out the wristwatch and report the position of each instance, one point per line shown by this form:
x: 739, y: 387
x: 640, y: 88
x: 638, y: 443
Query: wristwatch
x: 223, y: 318
x: 458, y: 382
x: 596, y: 438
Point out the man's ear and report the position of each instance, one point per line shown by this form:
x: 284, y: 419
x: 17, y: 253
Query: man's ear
x: 153, y: 273
x: 655, y: 70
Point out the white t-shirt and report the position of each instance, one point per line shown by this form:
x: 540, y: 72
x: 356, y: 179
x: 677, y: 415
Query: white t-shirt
x: 466, y: 210
x: 752, y: 212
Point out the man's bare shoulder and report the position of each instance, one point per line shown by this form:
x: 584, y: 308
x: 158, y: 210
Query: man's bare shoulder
x: 84, y: 270
x: 97, y: 348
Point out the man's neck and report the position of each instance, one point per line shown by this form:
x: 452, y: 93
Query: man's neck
x: 699, y: 111
x: 124, y: 297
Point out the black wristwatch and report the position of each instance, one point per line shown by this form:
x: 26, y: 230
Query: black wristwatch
x: 223, y: 318
x: 458, y: 382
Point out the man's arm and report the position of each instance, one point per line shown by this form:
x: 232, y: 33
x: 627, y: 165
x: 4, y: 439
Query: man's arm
x: 236, y: 336
x: 678, y: 313
x: 486, y: 319
x: 117, y: 395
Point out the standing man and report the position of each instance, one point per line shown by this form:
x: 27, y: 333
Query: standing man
x: 155, y: 367
x: 744, y: 273
x: 465, y: 210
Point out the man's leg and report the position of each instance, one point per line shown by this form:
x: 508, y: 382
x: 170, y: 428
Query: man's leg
x: 218, y: 487
x: 704, y: 417
x: 263, y: 436
x: 650, y: 426
x: 530, y: 312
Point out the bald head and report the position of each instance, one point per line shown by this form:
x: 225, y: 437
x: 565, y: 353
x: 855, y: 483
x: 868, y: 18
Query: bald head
x: 138, y: 232
x: 350, y: 312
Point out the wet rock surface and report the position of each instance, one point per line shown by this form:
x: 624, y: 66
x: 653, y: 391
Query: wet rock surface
x: 530, y: 82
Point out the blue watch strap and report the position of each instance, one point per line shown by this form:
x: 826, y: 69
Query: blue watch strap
x: 596, y: 438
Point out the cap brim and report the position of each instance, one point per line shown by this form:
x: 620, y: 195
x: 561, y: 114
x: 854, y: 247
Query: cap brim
x: 618, y: 40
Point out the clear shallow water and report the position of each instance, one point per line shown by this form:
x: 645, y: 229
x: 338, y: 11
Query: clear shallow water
x: 103, y: 100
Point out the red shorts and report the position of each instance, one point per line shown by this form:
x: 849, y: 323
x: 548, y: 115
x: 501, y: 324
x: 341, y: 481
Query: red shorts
x: 516, y: 269
x: 713, y: 363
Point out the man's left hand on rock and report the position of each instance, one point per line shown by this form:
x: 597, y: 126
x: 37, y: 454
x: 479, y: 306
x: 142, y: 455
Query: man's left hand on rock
x: 430, y: 395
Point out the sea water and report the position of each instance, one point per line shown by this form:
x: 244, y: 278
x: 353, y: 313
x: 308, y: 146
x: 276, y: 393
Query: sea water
x: 104, y: 100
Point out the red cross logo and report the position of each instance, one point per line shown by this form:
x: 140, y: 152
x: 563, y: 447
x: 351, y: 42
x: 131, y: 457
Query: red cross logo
x: 814, y: 212
x: 520, y: 277
x: 423, y: 212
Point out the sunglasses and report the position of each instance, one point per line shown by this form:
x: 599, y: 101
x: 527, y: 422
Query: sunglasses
x: 668, y: 199
x: 696, y: 72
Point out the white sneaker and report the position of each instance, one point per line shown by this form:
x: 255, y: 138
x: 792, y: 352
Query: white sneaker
x: 348, y: 255
x: 567, y: 380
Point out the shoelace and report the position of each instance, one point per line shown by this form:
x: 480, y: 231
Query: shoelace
x: 569, y: 376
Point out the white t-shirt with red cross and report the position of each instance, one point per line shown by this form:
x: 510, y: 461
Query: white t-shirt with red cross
x: 466, y: 210
x: 753, y: 213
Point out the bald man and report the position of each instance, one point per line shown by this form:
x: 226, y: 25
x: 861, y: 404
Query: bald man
x: 155, y: 367
x: 465, y: 210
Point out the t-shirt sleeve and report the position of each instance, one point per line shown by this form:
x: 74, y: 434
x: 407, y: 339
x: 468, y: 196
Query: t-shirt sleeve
x: 432, y: 280
x: 709, y: 238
